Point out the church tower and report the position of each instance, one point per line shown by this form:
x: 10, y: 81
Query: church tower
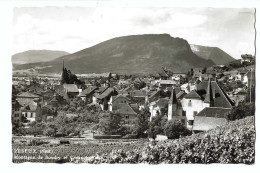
x: 63, y: 75
x: 208, y: 102
x: 172, y: 105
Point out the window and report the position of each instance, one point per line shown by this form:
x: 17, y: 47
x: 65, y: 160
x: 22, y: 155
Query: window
x: 195, y: 113
x: 189, y: 104
x: 25, y: 114
x: 190, y: 122
x: 183, y: 121
x: 183, y: 113
x: 127, y: 117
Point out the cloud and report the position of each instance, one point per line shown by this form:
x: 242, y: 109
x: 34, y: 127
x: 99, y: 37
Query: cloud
x: 75, y: 28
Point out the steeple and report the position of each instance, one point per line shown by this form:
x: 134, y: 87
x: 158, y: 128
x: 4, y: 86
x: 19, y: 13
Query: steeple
x: 173, y: 99
x: 172, y: 105
x: 208, y: 97
x: 63, y: 72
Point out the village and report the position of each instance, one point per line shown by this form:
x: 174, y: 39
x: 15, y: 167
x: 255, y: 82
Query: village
x: 200, y: 99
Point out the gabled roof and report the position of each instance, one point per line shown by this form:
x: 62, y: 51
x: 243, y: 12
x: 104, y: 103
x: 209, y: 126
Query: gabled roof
x: 220, y: 98
x: 173, y: 99
x: 106, y: 93
x: 192, y: 95
x: 208, y: 97
x: 162, y: 102
x: 155, y: 95
x: 30, y: 106
x: 88, y: 91
x: 28, y: 95
x: 138, y: 93
x: 163, y: 73
x: 48, y: 107
x: 73, y: 88
x: 119, y: 96
x: 180, y: 95
x: 125, y: 108
x: 102, y: 89
x: 214, y: 112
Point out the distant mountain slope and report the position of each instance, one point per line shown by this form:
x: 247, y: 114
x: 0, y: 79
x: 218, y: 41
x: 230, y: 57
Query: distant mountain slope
x: 215, y: 54
x: 129, y: 54
x: 32, y: 56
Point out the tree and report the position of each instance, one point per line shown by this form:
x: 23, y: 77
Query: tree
x: 175, y: 128
x: 141, y: 124
x: 242, y: 110
x: 204, y: 70
x: 110, y: 123
x: 36, y: 128
x: 156, y: 125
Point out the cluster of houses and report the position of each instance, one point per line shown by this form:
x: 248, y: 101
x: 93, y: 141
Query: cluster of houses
x: 199, y: 102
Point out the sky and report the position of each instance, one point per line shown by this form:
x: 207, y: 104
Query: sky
x: 75, y: 28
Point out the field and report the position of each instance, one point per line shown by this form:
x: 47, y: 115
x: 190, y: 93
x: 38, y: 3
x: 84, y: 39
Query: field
x: 51, y: 151
x: 233, y: 143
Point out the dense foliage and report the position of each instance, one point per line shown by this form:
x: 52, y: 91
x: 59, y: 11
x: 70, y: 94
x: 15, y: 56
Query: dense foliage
x: 175, y: 129
x: 242, y: 110
x: 156, y: 125
x: 233, y: 143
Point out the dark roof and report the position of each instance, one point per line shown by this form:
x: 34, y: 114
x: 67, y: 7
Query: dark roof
x: 180, y: 95
x: 88, y: 91
x: 35, y: 87
x: 73, y: 88
x: 214, y: 112
x: 125, y: 108
x: 162, y: 102
x: 102, y: 89
x: 177, y: 90
x: 173, y: 99
x: 28, y: 95
x: 154, y: 96
x: 192, y: 95
x: 106, y: 93
x: 220, y: 98
x: 31, y: 106
x: 118, y: 96
x: 48, y: 107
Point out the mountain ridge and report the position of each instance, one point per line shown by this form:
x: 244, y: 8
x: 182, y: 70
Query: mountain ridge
x: 34, y: 56
x: 217, y: 55
x: 129, y: 54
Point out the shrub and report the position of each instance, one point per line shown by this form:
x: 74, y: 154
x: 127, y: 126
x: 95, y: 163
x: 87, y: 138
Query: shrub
x: 37, y: 142
x: 241, y: 111
x: 175, y: 129
x: 64, y: 142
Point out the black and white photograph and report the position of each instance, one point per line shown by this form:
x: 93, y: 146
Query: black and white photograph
x: 133, y: 85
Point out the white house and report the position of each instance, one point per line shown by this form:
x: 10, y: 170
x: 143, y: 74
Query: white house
x: 207, y: 94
